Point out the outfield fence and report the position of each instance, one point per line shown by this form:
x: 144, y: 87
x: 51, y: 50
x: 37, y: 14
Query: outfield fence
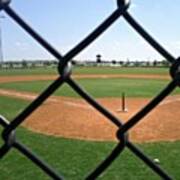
x: 65, y: 71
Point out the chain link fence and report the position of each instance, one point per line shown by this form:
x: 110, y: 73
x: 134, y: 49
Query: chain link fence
x: 65, y: 71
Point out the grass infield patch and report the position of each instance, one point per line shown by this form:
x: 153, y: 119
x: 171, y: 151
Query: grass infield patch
x: 85, y: 70
x: 99, y: 88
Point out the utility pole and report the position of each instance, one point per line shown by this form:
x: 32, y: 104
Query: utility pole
x: 1, y: 44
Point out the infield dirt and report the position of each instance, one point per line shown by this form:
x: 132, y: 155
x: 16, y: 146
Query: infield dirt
x: 74, y: 118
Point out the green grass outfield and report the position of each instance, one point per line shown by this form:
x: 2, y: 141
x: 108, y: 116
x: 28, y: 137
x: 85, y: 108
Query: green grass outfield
x: 110, y: 87
x: 75, y: 158
x: 85, y: 70
x: 99, y: 88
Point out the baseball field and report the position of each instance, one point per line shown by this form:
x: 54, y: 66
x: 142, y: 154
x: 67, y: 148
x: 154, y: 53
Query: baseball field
x: 72, y: 136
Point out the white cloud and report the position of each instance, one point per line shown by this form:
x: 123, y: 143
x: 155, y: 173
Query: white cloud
x: 22, y: 45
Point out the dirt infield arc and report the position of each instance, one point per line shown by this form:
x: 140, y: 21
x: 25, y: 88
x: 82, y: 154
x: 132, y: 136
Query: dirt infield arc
x: 74, y: 118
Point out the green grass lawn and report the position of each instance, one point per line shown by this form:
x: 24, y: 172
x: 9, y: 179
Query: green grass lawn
x: 9, y: 107
x: 85, y: 70
x: 74, y: 159
x: 28, y: 71
x: 98, y: 87
x: 120, y: 70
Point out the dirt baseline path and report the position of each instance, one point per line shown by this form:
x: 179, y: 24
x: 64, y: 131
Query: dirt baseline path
x: 74, y: 118
x: 5, y: 79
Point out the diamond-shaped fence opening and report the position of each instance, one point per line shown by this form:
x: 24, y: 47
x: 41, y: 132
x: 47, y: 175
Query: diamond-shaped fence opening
x: 65, y: 69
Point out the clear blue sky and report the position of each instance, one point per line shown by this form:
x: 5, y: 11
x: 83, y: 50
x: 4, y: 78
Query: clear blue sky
x: 65, y: 22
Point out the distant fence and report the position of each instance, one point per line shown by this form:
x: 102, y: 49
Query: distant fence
x: 41, y: 64
x: 27, y: 64
x: 64, y: 69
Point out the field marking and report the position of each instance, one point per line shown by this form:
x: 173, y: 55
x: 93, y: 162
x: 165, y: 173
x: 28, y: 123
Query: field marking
x: 51, y: 99
x: 28, y: 96
x: 17, y: 94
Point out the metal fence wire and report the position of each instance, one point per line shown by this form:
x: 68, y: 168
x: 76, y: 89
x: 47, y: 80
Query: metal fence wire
x: 65, y: 71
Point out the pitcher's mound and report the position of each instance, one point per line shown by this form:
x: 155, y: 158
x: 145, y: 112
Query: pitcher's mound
x: 74, y: 118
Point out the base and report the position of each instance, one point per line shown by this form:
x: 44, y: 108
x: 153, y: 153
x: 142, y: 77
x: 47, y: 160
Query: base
x: 122, y: 110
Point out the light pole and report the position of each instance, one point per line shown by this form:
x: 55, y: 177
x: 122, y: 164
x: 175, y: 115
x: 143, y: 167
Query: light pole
x: 1, y: 45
